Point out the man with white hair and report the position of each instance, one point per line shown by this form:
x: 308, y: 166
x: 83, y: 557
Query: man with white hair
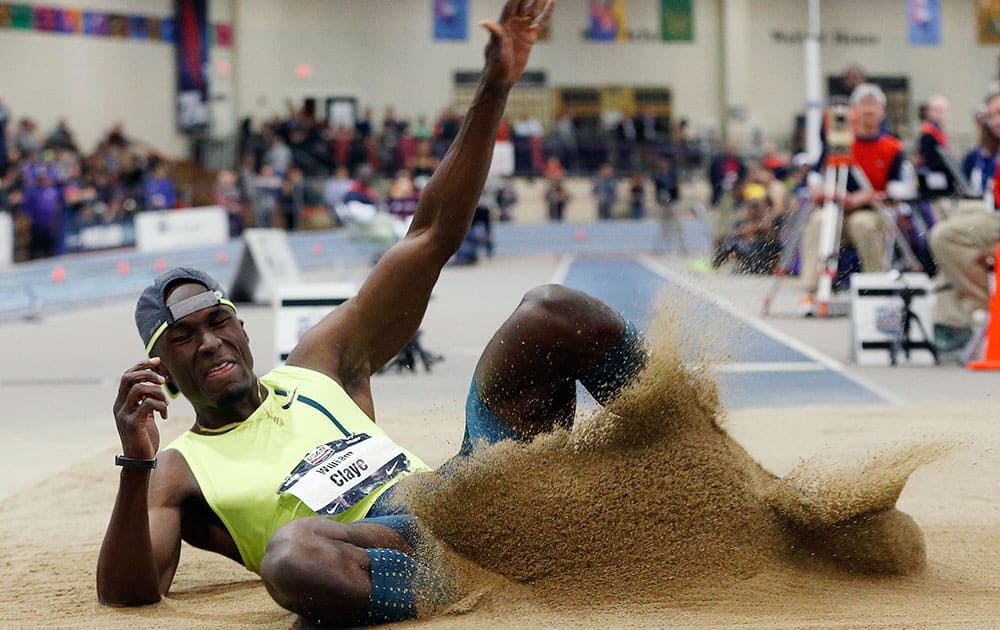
x: 881, y: 157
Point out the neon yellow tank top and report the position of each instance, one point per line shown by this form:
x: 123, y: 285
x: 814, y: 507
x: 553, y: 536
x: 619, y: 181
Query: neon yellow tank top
x: 241, y: 471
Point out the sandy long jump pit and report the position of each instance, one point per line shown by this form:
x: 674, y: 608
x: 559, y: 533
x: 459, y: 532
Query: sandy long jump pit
x: 657, y: 511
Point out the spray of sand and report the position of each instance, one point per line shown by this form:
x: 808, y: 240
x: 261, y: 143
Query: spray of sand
x: 649, y: 496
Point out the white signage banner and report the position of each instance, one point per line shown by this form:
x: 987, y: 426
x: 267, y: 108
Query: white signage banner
x: 892, y: 317
x: 299, y: 307
x: 6, y: 241
x: 181, y: 229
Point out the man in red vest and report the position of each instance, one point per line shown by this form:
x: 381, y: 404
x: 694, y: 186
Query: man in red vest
x: 881, y: 157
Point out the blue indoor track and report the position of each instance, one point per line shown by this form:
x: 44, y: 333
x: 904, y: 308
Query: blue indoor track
x: 765, y: 372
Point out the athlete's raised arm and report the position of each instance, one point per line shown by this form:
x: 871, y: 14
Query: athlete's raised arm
x: 360, y: 336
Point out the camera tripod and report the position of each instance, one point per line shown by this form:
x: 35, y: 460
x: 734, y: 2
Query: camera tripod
x: 901, y: 341
x: 840, y: 167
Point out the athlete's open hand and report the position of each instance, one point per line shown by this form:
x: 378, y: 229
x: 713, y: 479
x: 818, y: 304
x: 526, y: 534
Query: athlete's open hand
x: 513, y: 36
x: 140, y: 395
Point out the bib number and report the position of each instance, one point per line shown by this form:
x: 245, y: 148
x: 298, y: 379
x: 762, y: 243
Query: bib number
x: 336, y: 476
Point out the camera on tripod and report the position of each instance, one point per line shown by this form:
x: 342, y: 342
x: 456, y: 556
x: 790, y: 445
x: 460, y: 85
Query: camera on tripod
x: 839, y: 130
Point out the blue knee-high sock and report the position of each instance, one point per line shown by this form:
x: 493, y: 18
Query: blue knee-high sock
x: 618, y: 367
x: 393, y: 597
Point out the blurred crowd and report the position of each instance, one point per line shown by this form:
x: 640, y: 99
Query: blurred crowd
x: 57, y: 188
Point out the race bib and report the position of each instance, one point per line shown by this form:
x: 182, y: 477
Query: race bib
x: 334, y: 477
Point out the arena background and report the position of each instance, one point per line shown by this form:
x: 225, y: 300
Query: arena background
x: 790, y: 390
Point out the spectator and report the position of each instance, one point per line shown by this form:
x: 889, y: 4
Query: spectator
x: 160, y: 193
x: 266, y: 188
x: 4, y: 119
x: 421, y: 130
x: 403, y: 196
x: 292, y: 199
x: 773, y: 161
x: 336, y: 187
x: 226, y: 194
x: 636, y: 197
x: 752, y: 245
x: 726, y: 171
x: 980, y: 163
x: 423, y: 163
x: 364, y: 126
x: 961, y: 245
x: 606, y: 191
x: 61, y: 138
x: 43, y: 204
x: 25, y: 140
x: 506, y: 199
x: 627, y: 135
x: 665, y: 182
x: 556, y: 198
x: 361, y: 189
x: 278, y: 157
x: 933, y: 176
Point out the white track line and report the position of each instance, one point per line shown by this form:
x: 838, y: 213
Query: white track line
x: 766, y: 366
x: 562, y: 269
x: 767, y: 329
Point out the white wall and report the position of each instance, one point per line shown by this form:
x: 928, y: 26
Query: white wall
x: 382, y: 51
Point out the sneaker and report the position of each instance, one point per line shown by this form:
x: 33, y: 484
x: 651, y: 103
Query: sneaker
x: 950, y: 339
x: 807, y: 305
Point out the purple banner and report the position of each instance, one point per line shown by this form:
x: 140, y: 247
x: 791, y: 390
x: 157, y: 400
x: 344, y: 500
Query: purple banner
x: 191, y: 38
x: 45, y: 18
x: 96, y: 23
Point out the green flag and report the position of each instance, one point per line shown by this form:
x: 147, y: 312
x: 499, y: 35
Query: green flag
x: 677, y: 21
x: 21, y: 16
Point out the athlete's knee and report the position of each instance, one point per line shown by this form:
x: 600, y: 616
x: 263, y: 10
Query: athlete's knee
x: 567, y: 313
x: 295, y: 554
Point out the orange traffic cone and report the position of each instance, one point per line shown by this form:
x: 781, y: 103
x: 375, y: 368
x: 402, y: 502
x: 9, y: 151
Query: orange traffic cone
x: 991, y: 354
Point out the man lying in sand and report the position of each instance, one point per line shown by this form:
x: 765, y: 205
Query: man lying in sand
x: 301, y: 440
x: 289, y: 475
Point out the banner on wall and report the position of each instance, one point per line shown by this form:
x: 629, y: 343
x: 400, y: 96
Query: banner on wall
x: 95, y: 23
x: 451, y: 19
x: 608, y: 21
x: 191, y: 43
x: 22, y: 17
x: 988, y: 16
x: 676, y: 20
x: 924, y: 20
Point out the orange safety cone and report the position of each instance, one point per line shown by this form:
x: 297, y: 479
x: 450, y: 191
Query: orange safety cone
x: 579, y: 236
x: 58, y: 273
x: 991, y: 353
x: 221, y: 258
x: 123, y: 268
x: 317, y: 249
x: 159, y: 265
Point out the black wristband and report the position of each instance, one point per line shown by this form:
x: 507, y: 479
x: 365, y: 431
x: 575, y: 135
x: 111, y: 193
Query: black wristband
x: 130, y: 462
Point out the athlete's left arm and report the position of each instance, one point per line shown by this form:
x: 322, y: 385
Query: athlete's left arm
x: 358, y: 337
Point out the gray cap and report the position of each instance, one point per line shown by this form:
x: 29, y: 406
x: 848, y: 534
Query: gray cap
x: 153, y: 316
